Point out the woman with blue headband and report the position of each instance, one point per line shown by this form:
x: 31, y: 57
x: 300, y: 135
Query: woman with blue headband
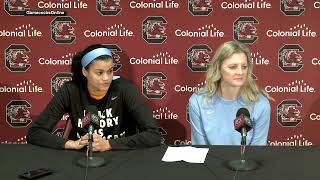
x: 124, y: 121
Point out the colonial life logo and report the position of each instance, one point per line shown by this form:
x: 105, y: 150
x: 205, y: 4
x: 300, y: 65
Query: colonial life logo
x: 200, y: 7
x: 202, y: 32
x: 298, y: 86
x: 246, y: 4
x: 108, y: 7
x: 63, y: 60
x: 153, y: 86
x: 153, y: 29
x: 295, y: 140
x: 198, y: 57
x: 41, y: 8
x: 163, y: 58
x: 16, y: 58
x: 18, y: 114
x: 288, y: 114
x: 244, y: 29
x: 62, y: 30
x: 25, y: 30
x: 292, y: 7
x: 116, y: 30
x: 58, y: 80
x: 289, y: 58
x: 259, y: 60
x: 156, y: 4
x: 164, y: 114
x: 300, y: 30
x: 26, y: 86
x: 187, y: 88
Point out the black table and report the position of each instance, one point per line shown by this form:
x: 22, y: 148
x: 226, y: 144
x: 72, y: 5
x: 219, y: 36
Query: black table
x: 292, y: 163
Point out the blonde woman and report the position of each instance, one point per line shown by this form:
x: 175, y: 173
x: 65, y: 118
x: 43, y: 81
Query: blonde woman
x: 229, y: 87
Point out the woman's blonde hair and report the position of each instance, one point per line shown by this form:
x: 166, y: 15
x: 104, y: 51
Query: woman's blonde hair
x: 249, y: 91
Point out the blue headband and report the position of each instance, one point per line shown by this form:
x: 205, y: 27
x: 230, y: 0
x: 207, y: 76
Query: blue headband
x: 90, y: 56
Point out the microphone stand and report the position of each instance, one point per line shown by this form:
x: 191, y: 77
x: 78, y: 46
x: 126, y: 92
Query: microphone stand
x: 242, y: 164
x: 91, y: 161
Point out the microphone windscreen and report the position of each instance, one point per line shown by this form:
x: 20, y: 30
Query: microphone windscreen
x: 243, y: 111
x: 93, y: 111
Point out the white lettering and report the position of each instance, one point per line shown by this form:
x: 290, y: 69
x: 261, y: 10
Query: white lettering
x: 290, y: 89
x: 186, y: 88
x: 315, y: 61
x: 316, y: 4
x: 158, y: 5
x: 314, y: 116
x: 246, y: 5
x: 79, y: 123
x: 62, y: 5
x: 108, y: 112
x: 51, y: 61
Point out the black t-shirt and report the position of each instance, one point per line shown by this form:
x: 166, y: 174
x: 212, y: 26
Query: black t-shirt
x: 124, y: 118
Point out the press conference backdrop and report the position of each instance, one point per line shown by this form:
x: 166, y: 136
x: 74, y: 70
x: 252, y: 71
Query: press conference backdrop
x: 163, y: 47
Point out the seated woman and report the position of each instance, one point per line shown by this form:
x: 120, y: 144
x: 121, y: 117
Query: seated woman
x: 125, y: 122
x: 229, y: 87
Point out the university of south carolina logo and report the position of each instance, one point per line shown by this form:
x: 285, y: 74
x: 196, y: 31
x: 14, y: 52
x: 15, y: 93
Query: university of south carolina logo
x: 17, y: 113
x: 108, y: 7
x: 58, y: 80
x: 244, y: 30
x: 153, y: 30
x: 199, y: 58
x: 200, y: 7
x: 292, y: 7
x: 115, y: 50
x: 62, y: 31
x: 289, y: 113
x: 153, y: 86
x: 16, y: 58
x: 58, y: 132
x: 163, y: 133
x: 187, y: 113
x: 16, y: 7
x: 290, y: 59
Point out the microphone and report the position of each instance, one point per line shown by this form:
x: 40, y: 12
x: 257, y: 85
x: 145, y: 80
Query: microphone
x: 243, y: 124
x: 90, y: 161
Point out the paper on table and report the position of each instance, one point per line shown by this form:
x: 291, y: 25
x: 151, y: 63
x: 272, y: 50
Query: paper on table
x: 185, y: 153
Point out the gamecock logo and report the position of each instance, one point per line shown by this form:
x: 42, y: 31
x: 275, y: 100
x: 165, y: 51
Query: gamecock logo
x: 62, y: 31
x: 292, y: 7
x: 16, y: 58
x: 289, y: 113
x: 17, y: 113
x: 109, y: 7
x: 199, y: 58
x: 16, y: 7
x: 153, y: 30
x: 244, y: 30
x: 115, y: 50
x: 290, y: 59
x: 58, y: 80
x: 200, y: 7
x: 153, y: 86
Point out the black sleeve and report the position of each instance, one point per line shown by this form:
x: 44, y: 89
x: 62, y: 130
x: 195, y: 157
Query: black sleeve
x: 40, y: 131
x: 148, y: 135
